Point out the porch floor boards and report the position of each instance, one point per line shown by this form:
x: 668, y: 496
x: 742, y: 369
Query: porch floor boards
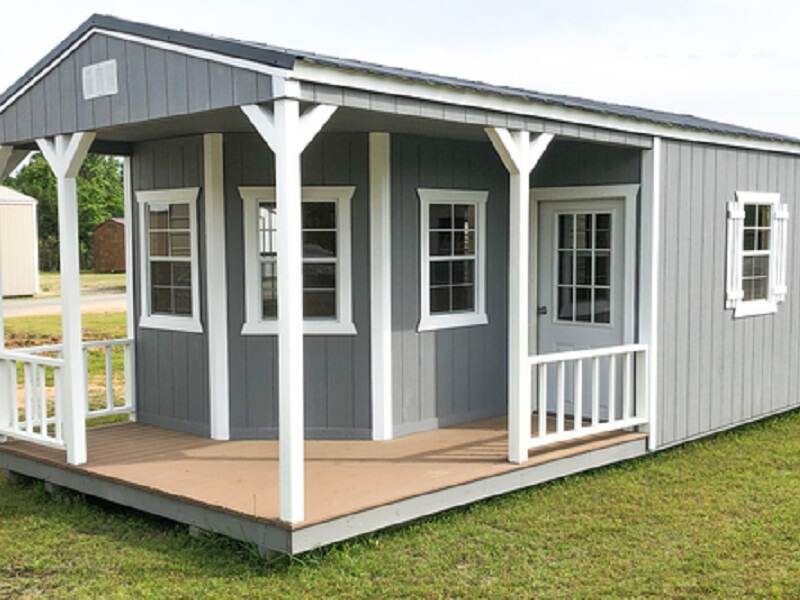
x: 342, y: 477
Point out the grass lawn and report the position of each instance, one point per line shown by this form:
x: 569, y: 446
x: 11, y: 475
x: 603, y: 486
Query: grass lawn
x: 718, y: 517
x: 91, y: 283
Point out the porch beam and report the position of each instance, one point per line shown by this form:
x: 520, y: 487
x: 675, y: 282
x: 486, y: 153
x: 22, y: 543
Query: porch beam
x: 287, y: 133
x: 520, y: 155
x: 65, y: 155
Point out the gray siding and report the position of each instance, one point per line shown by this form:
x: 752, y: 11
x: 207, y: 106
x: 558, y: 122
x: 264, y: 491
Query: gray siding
x: 337, y: 368
x: 153, y: 84
x: 717, y: 371
x: 171, y: 367
x: 456, y: 375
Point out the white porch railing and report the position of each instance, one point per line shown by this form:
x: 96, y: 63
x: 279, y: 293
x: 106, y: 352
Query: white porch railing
x: 115, y: 397
x: 611, y: 394
x: 37, y: 415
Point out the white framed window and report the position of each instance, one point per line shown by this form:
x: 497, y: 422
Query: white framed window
x: 452, y: 258
x: 756, y: 253
x: 170, y: 296
x: 327, y: 261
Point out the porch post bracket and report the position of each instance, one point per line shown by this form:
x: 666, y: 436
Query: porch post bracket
x: 287, y: 133
x: 65, y: 155
x: 10, y: 157
x: 519, y: 155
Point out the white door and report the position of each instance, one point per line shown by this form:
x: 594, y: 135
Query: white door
x: 581, y: 278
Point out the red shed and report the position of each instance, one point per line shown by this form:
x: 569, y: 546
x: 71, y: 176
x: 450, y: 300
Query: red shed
x: 109, y: 246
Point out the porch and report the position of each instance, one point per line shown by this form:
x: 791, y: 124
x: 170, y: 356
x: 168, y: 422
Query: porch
x: 352, y: 487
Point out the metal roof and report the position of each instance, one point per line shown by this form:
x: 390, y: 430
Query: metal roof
x: 286, y: 58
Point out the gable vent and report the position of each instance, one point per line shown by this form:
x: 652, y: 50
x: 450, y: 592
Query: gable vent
x: 100, y: 79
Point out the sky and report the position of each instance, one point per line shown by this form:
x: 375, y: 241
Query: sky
x: 734, y: 61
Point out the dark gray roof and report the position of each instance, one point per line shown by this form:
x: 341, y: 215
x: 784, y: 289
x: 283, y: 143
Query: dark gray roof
x: 286, y: 58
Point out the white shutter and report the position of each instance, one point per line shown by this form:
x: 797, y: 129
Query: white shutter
x: 780, y: 256
x: 733, y: 289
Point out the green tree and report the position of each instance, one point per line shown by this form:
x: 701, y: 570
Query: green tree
x: 100, y: 197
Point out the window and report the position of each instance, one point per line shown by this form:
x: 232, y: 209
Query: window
x: 452, y: 235
x: 327, y: 295
x: 167, y: 225
x: 583, y: 246
x: 757, y: 244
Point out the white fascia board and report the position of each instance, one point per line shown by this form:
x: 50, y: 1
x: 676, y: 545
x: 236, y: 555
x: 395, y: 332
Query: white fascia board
x: 181, y: 49
x: 395, y: 86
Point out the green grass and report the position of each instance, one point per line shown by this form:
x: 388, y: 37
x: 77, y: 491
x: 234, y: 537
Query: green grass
x: 91, y: 283
x: 719, y: 517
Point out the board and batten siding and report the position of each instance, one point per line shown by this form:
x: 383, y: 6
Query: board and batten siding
x: 716, y: 371
x: 171, y: 366
x: 457, y: 375
x: 152, y: 83
x: 337, y: 368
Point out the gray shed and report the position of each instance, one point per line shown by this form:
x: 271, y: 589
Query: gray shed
x: 382, y: 293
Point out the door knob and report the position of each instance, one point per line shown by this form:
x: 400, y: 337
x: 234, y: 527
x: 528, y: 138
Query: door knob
x: 541, y: 310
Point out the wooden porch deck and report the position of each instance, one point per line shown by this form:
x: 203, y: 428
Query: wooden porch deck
x: 343, y: 478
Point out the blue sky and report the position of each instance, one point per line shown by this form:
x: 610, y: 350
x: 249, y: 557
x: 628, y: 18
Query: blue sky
x: 734, y: 61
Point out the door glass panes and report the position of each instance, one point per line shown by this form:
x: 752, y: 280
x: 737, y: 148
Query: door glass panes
x: 756, y: 250
x: 169, y: 259
x: 452, y: 255
x: 583, y: 267
x: 320, y: 257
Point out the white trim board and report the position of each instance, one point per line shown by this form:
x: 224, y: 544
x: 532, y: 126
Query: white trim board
x: 380, y: 214
x: 343, y: 324
x: 216, y: 286
x: 396, y: 86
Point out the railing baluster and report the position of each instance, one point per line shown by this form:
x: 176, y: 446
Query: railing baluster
x: 28, y: 383
x: 13, y: 393
x: 542, y: 400
x: 612, y: 388
x: 595, y: 391
x: 42, y: 393
x: 577, y: 394
x: 86, y: 378
x: 57, y: 403
x: 627, y: 390
x: 109, y: 379
x: 560, y: 385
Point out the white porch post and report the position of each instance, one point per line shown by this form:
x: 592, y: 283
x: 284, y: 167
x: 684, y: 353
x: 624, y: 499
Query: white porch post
x: 288, y: 133
x: 65, y: 155
x: 130, y: 362
x: 519, y: 155
x: 217, y: 287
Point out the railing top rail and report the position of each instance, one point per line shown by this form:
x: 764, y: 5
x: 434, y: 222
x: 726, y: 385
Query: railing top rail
x: 42, y: 361
x: 553, y: 357
x: 85, y: 345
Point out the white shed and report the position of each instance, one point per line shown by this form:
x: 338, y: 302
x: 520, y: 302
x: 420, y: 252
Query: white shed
x: 19, y: 244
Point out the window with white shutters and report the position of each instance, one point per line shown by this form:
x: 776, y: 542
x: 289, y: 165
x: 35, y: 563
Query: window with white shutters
x: 756, y: 253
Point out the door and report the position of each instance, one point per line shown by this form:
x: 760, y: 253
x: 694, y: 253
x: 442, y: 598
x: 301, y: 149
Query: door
x: 581, y: 279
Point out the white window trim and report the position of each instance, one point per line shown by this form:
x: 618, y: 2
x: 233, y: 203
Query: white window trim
x: 254, y: 323
x: 777, y: 255
x: 190, y: 324
x: 433, y: 322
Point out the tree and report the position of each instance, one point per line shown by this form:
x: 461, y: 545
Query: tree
x: 100, y: 197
